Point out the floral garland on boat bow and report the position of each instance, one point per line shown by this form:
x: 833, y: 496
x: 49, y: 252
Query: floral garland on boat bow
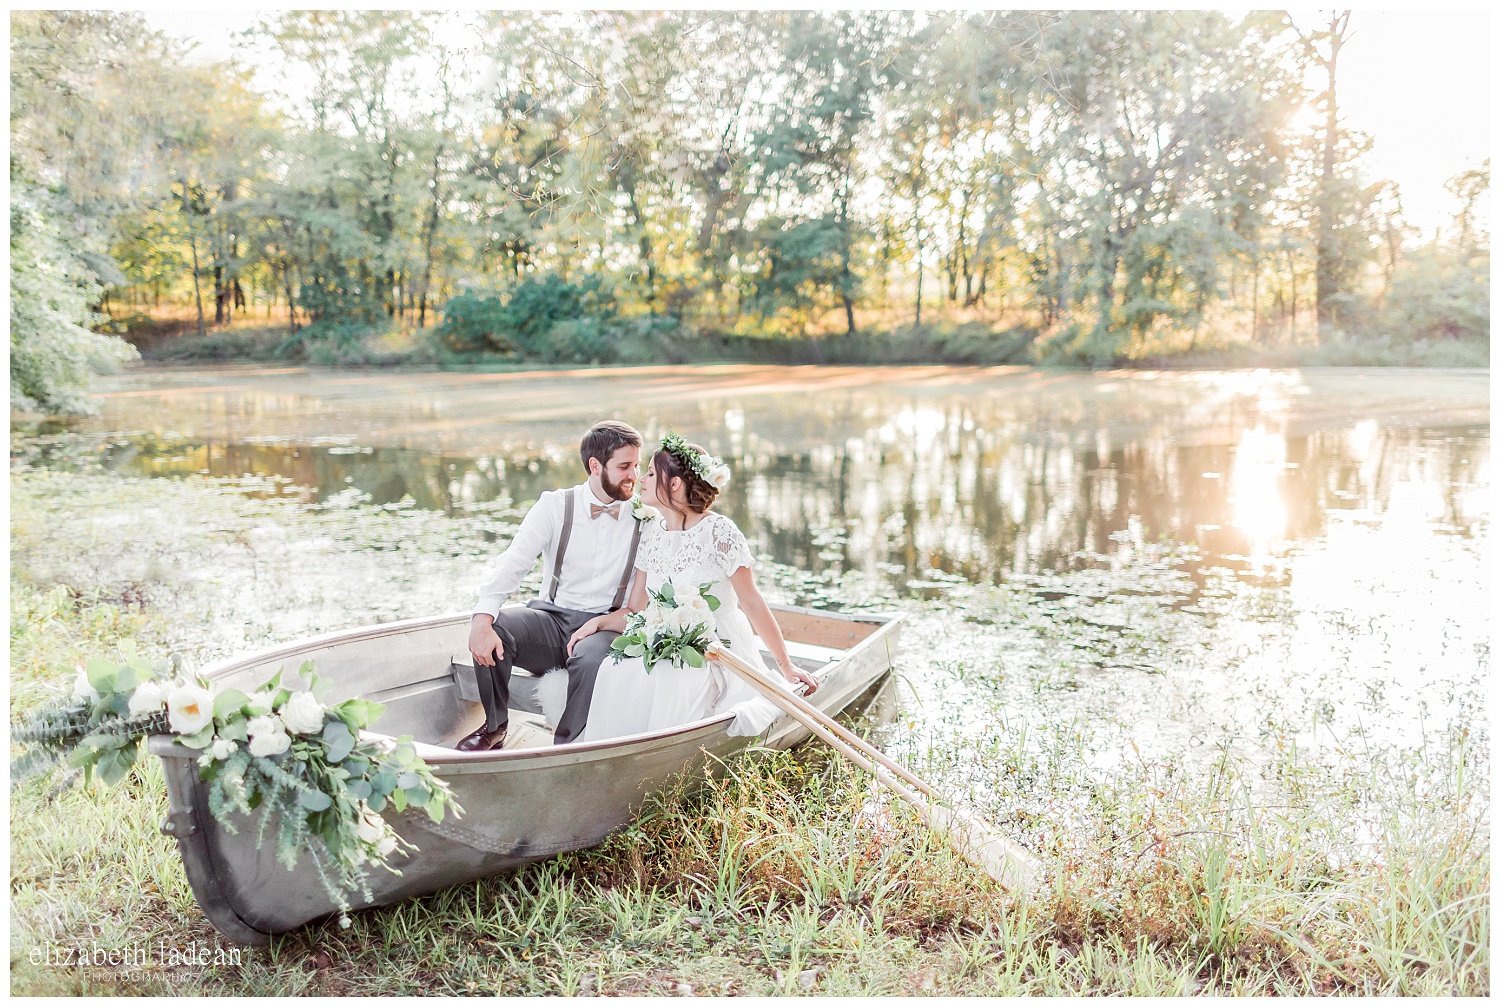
x: 275, y: 749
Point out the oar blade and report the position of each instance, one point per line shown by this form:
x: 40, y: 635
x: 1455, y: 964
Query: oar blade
x: 1007, y: 862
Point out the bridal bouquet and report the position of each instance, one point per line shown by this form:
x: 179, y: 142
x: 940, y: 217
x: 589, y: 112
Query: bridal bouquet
x: 677, y: 626
x: 273, y: 749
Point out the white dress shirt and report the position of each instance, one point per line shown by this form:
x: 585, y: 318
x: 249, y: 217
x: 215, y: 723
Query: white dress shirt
x: 598, y: 548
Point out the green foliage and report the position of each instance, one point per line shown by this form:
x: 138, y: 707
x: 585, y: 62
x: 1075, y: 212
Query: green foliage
x: 579, y: 188
x: 53, y: 351
x: 1438, y: 294
x: 331, y: 334
x: 802, y: 266
x: 547, y: 318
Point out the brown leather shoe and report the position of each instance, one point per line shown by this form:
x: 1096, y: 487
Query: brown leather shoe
x: 482, y: 740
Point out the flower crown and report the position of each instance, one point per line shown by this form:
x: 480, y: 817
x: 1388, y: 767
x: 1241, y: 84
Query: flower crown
x: 705, y: 466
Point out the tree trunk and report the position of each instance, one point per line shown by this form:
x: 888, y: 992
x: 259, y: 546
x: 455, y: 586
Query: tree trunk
x: 917, y: 227
x: 1328, y: 250
x: 291, y: 301
x: 1255, y: 302
x: 1291, y: 271
x: 197, y: 290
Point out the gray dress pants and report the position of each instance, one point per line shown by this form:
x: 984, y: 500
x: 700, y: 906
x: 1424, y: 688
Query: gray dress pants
x: 536, y: 637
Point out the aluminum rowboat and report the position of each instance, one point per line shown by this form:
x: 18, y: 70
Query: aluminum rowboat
x: 524, y: 803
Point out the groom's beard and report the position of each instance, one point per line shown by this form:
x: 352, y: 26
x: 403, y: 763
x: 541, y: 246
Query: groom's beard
x: 621, y: 490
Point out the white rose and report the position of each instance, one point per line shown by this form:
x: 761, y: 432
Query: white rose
x: 719, y: 477
x: 643, y: 511
x: 702, y: 614
x: 148, y: 697
x: 83, y: 689
x: 681, y: 620
x: 268, y: 736
x: 220, y: 750
x: 190, y: 708
x: 371, y: 828
x: 656, y: 620
x: 303, y: 714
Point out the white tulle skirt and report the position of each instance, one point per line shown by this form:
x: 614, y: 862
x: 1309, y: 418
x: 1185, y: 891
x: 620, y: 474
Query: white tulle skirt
x: 630, y: 699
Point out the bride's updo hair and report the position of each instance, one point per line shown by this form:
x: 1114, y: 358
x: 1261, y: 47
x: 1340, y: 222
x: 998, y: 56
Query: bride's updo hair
x: 698, y: 494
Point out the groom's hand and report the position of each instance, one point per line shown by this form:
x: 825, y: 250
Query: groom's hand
x: 484, y: 642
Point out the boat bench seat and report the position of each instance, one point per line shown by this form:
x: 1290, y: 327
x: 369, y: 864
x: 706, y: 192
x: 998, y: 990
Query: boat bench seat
x: 523, y: 682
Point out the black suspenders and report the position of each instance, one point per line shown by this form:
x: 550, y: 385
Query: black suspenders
x: 562, y: 542
x: 635, y: 541
x: 562, y: 549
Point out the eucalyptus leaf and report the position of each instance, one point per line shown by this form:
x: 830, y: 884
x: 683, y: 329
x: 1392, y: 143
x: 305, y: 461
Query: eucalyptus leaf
x: 338, y: 739
x: 126, y: 679
x: 315, y: 800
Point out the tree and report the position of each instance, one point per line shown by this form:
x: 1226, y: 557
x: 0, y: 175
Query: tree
x: 1164, y: 138
x: 1337, y: 248
x: 83, y: 126
x: 808, y: 150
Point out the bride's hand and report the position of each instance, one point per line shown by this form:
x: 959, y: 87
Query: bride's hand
x: 795, y: 674
x: 586, y: 630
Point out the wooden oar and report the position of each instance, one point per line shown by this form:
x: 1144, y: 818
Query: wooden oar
x: 972, y: 837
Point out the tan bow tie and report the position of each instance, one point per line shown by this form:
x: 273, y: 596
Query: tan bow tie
x: 613, y: 510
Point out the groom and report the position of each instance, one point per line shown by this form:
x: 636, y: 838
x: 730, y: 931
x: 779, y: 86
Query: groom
x: 587, y: 536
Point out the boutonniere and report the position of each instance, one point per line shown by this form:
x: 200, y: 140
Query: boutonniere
x: 640, y: 511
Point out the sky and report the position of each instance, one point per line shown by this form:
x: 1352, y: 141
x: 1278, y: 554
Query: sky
x: 1418, y: 81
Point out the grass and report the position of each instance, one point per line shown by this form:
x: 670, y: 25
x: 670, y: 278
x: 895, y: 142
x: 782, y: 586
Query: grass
x: 1278, y: 868
x: 965, y: 343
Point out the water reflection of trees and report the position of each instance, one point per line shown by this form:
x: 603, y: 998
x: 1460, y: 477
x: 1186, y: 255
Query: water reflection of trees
x: 945, y: 492
x: 985, y: 506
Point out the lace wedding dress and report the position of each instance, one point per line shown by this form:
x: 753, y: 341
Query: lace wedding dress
x: 630, y: 699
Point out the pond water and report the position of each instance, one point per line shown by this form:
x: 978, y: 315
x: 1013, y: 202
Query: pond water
x: 1200, y: 554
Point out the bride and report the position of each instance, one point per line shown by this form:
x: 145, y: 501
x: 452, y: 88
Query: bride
x: 690, y: 544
